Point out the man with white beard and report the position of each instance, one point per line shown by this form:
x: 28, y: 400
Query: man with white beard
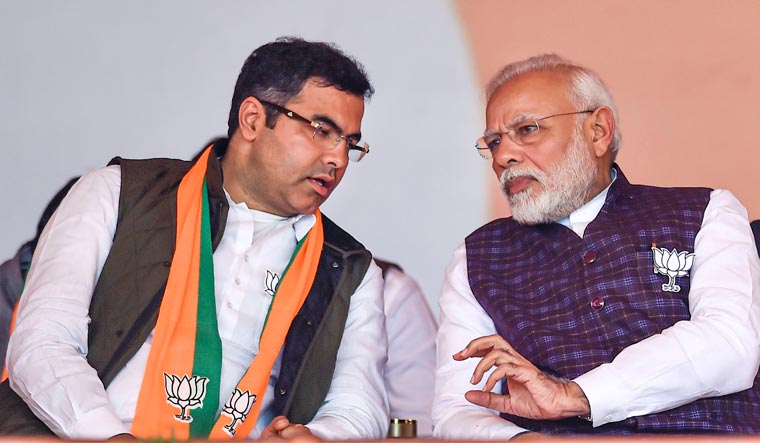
x: 599, y: 306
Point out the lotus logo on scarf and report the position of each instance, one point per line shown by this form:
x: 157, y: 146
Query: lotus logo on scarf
x: 672, y: 264
x: 185, y: 393
x: 273, y: 280
x: 238, y: 406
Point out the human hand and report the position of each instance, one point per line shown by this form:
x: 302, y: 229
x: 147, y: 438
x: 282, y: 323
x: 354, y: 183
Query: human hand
x: 280, y: 428
x: 532, y: 393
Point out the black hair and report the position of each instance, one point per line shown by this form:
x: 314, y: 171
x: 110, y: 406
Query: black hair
x: 278, y: 71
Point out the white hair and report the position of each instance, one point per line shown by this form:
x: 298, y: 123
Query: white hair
x: 588, y: 90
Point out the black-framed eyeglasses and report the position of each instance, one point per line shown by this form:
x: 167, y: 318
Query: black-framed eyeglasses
x: 325, y: 135
x: 522, y: 133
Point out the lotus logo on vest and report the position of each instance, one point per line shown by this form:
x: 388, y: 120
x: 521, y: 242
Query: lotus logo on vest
x: 671, y: 264
x: 237, y: 407
x: 185, y: 393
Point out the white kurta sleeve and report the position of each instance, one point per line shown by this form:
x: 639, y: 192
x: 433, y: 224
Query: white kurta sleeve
x: 462, y: 320
x: 691, y: 359
x: 47, y: 363
x: 356, y: 406
x: 409, y: 373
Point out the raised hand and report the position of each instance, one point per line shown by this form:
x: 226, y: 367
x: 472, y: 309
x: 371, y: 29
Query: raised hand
x: 532, y: 393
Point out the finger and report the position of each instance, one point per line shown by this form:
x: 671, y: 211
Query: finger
x: 500, y: 373
x: 492, y: 359
x: 490, y: 400
x: 481, y: 346
x: 517, y: 370
x: 501, y: 357
x: 276, y: 425
x: 268, y: 433
x: 298, y: 431
x: 280, y: 422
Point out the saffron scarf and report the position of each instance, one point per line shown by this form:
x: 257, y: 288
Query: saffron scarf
x: 4, y: 375
x: 179, y: 395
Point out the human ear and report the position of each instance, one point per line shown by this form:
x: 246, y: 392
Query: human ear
x: 603, y: 125
x: 251, y: 118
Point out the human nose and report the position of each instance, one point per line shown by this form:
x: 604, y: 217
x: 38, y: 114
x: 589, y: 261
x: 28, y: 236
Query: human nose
x: 507, y: 153
x: 337, y: 155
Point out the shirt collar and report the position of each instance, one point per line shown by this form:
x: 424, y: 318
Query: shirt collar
x: 588, y: 212
x: 301, y: 223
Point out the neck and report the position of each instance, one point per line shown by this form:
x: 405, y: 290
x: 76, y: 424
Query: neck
x: 233, y: 166
x: 603, y: 179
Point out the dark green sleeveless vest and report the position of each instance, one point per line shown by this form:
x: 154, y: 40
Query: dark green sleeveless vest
x: 127, y: 297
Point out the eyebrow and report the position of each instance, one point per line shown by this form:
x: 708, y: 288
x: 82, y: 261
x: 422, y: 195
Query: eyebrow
x: 518, y: 119
x: 321, y: 118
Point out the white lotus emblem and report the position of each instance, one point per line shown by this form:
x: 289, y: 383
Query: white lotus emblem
x: 185, y: 393
x: 673, y: 264
x: 272, y: 281
x: 238, y: 406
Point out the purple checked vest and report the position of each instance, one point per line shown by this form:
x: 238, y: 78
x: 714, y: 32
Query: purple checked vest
x: 570, y: 304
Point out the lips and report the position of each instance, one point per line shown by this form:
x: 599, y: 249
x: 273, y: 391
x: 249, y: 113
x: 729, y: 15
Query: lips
x: 518, y: 184
x: 322, y: 184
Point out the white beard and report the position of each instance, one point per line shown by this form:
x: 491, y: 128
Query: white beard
x: 565, y: 187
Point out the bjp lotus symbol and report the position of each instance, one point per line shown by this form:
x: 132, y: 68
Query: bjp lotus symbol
x: 673, y: 264
x: 238, y: 406
x: 185, y: 393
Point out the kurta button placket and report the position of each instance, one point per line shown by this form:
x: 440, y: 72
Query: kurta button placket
x: 597, y: 303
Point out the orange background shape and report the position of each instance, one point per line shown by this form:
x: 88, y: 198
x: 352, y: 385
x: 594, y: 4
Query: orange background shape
x: 685, y: 75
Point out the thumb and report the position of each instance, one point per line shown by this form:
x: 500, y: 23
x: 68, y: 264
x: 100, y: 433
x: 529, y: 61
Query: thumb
x: 489, y: 400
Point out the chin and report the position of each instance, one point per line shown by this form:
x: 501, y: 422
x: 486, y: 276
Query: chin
x: 310, y: 209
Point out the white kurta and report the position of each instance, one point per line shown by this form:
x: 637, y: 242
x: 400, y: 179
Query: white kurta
x: 411, y: 351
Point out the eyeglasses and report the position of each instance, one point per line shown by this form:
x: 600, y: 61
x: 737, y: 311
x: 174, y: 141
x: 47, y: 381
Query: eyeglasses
x: 325, y: 135
x: 522, y: 133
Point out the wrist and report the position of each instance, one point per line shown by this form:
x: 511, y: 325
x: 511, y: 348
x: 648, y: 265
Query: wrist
x: 577, y: 404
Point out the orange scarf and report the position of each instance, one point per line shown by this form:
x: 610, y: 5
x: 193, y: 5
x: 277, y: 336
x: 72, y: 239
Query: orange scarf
x: 174, y: 389
x: 4, y: 376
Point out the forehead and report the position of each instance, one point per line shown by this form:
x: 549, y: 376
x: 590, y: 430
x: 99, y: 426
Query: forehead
x: 533, y: 94
x: 344, y: 108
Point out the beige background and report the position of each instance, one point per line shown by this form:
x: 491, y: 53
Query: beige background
x: 685, y: 75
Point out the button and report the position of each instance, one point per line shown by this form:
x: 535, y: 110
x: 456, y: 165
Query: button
x: 334, y: 264
x: 283, y: 391
x: 309, y: 322
x: 229, y: 305
x: 589, y: 257
x: 246, y: 258
x: 167, y: 263
x: 237, y: 281
x: 597, y: 303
